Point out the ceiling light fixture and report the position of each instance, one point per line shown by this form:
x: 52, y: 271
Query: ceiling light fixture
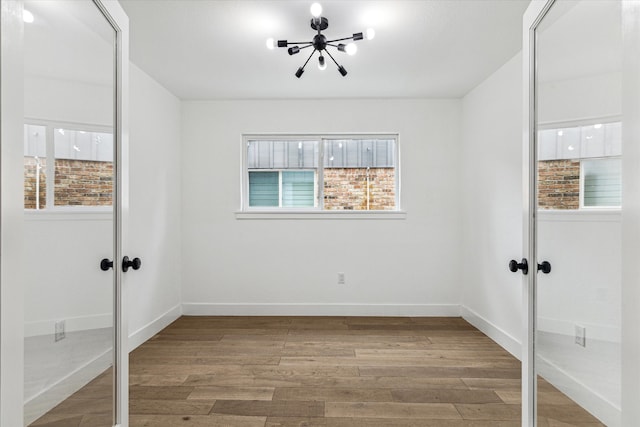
x: 320, y: 43
x: 27, y: 16
x: 271, y: 44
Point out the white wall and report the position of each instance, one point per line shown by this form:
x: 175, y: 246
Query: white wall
x: 67, y: 101
x: 584, y: 98
x: 492, y: 204
x: 392, y: 267
x: 155, y: 207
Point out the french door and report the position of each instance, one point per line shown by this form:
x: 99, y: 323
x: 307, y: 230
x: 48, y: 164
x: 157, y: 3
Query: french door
x: 64, y: 145
x: 581, y: 162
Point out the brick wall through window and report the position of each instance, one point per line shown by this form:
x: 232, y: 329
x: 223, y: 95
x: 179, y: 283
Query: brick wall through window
x: 347, y: 189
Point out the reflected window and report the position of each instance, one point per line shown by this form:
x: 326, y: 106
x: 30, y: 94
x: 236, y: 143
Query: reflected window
x: 579, y: 167
x: 602, y: 182
x: 67, y: 167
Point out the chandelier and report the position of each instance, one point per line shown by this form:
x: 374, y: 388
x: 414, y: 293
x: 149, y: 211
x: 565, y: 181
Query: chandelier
x: 319, y: 43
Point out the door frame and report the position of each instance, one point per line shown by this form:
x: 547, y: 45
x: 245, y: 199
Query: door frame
x: 530, y: 21
x: 630, y: 266
x: 12, y: 212
x: 631, y: 213
x: 119, y: 20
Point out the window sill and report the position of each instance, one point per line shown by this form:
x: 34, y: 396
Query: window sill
x: 397, y: 215
x: 584, y: 215
x: 95, y: 214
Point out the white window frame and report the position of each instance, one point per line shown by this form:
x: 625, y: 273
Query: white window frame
x: 317, y: 212
x: 50, y: 208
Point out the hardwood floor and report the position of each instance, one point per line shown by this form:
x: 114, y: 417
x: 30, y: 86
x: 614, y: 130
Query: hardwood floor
x: 324, y: 372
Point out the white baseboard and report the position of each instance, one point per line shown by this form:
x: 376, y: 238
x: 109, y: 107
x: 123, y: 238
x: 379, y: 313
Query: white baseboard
x: 72, y: 324
x: 606, y: 333
x: 48, y: 398
x: 502, y: 338
x: 415, y: 310
x: 143, y: 334
x: 584, y: 396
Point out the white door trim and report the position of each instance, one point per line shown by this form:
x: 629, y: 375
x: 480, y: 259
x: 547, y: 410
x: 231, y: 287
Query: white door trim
x: 11, y: 216
x: 532, y: 17
x: 120, y: 22
x: 631, y: 213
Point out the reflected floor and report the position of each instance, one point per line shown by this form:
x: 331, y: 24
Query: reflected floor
x: 54, y: 371
x: 321, y: 372
x: 91, y: 406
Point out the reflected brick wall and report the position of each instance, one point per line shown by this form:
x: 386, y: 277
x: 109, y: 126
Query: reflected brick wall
x: 77, y: 183
x: 30, y: 183
x: 559, y: 184
x: 83, y: 183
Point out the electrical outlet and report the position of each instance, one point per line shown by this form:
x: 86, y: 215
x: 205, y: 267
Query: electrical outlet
x: 341, y: 279
x: 581, y: 336
x: 60, y: 334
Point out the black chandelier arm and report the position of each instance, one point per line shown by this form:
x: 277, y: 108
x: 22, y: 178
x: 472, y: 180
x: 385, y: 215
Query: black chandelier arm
x: 332, y: 58
x: 340, y: 40
x: 308, y: 59
x: 285, y: 43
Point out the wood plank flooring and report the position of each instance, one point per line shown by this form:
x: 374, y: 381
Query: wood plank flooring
x: 322, y: 372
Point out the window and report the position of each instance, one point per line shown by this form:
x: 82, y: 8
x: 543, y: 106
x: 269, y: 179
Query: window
x: 66, y: 167
x: 579, y: 167
x: 601, y: 184
x: 321, y: 173
x: 35, y: 167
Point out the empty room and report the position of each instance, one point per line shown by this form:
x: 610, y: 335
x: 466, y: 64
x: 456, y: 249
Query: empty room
x: 288, y: 213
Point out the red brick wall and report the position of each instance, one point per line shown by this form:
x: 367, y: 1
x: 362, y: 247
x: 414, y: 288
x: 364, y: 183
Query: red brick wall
x: 77, y: 183
x: 346, y: 189
x: 83, y: 183
x: 559, y: 184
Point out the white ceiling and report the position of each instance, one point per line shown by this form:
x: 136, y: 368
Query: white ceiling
x: 68, y: 40
x: 202, y: 49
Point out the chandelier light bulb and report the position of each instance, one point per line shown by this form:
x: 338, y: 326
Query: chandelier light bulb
x: 316, y: 10
x: 322, y: 64
x: 27, y: 16
x: 371, y: 33
x: 271, y: 43
x: 351, y: 49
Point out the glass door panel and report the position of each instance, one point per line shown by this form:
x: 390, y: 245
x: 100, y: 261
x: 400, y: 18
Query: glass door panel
x: 578, y: 218
x: 69, y: 81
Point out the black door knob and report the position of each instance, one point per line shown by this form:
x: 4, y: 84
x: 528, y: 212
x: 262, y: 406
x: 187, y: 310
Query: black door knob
x: 545, y: 267
x: 130, y: 263
x: 106, y: 264
x: 522, y: 265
